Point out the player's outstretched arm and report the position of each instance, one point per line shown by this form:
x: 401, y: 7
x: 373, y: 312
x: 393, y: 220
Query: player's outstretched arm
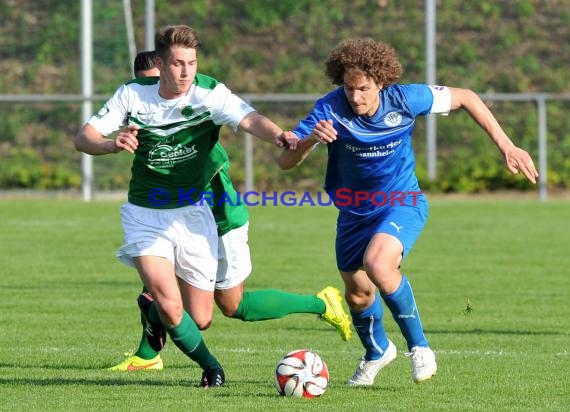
x: 516, y: 159
x: 323, y: 132
x: 90, y: 141
x: 289, y: 158
x: 265, y: 129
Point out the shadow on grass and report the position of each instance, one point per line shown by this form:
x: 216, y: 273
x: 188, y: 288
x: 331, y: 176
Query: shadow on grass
x: 217, y: 392
x: 89, y: 382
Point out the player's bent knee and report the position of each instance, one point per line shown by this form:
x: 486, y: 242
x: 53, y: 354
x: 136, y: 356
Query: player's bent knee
x: 381, y: 274
x: 359, y: 300
x: 377, y: 269
x: 203, y: 324
x: 229, y: 312
x: 229, y: 302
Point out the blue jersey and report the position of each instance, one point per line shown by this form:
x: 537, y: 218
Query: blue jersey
x: 371, y: 165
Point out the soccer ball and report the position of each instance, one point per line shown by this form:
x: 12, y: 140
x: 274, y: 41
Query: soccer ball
x: 301, y: 374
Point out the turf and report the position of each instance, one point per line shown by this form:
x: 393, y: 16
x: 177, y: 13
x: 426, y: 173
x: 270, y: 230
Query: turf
x: 491, y: 279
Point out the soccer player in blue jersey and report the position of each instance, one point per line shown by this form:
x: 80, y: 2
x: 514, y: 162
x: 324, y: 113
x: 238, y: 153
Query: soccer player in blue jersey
x: 367, y: 125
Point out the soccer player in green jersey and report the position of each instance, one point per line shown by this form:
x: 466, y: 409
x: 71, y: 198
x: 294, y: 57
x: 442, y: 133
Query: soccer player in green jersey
x: 234, y: 264
x: 173, y: 124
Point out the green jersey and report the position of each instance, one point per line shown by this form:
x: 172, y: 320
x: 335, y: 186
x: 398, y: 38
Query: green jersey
x: 229, y: 212
x: 175, y: 160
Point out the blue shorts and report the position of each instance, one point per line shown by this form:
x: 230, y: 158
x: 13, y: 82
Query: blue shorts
x: 354, y: 232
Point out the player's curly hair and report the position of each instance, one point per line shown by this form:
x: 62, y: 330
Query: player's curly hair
x: 377, y: 60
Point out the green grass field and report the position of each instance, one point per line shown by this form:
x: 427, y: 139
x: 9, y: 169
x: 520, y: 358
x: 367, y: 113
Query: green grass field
x: 68, y: 311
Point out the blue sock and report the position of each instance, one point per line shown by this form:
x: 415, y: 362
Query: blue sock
x: 405, y: 312
x: 368, y: 325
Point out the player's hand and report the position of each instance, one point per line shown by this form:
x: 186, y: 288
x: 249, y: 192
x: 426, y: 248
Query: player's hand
x: 324, y: 131
x: 287, y: 139
x: 127, y: 139
x: 518, y: 160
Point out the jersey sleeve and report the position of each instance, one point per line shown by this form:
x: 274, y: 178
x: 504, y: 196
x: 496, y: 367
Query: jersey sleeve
x: 305, y: 126
x: 422, y: 99
x: 113, y: 115
x: 227, y: 108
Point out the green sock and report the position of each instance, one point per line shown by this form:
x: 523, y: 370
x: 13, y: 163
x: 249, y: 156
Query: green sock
x: 145, y: 351
x: 274, y: 304
x: 189, y: 340
x: 153, y: 315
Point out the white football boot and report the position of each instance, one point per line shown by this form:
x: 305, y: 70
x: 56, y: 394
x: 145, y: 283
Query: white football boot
x: 423, y: 363
x: 367, y: 370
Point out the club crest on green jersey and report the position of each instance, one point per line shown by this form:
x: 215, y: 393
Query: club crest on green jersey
x: 187, y: 112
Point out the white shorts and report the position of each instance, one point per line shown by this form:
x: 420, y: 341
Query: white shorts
x: 234, y: 260
x: 186, y: 236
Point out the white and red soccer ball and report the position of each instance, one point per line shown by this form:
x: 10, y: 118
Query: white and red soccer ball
x: 301, y: 374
